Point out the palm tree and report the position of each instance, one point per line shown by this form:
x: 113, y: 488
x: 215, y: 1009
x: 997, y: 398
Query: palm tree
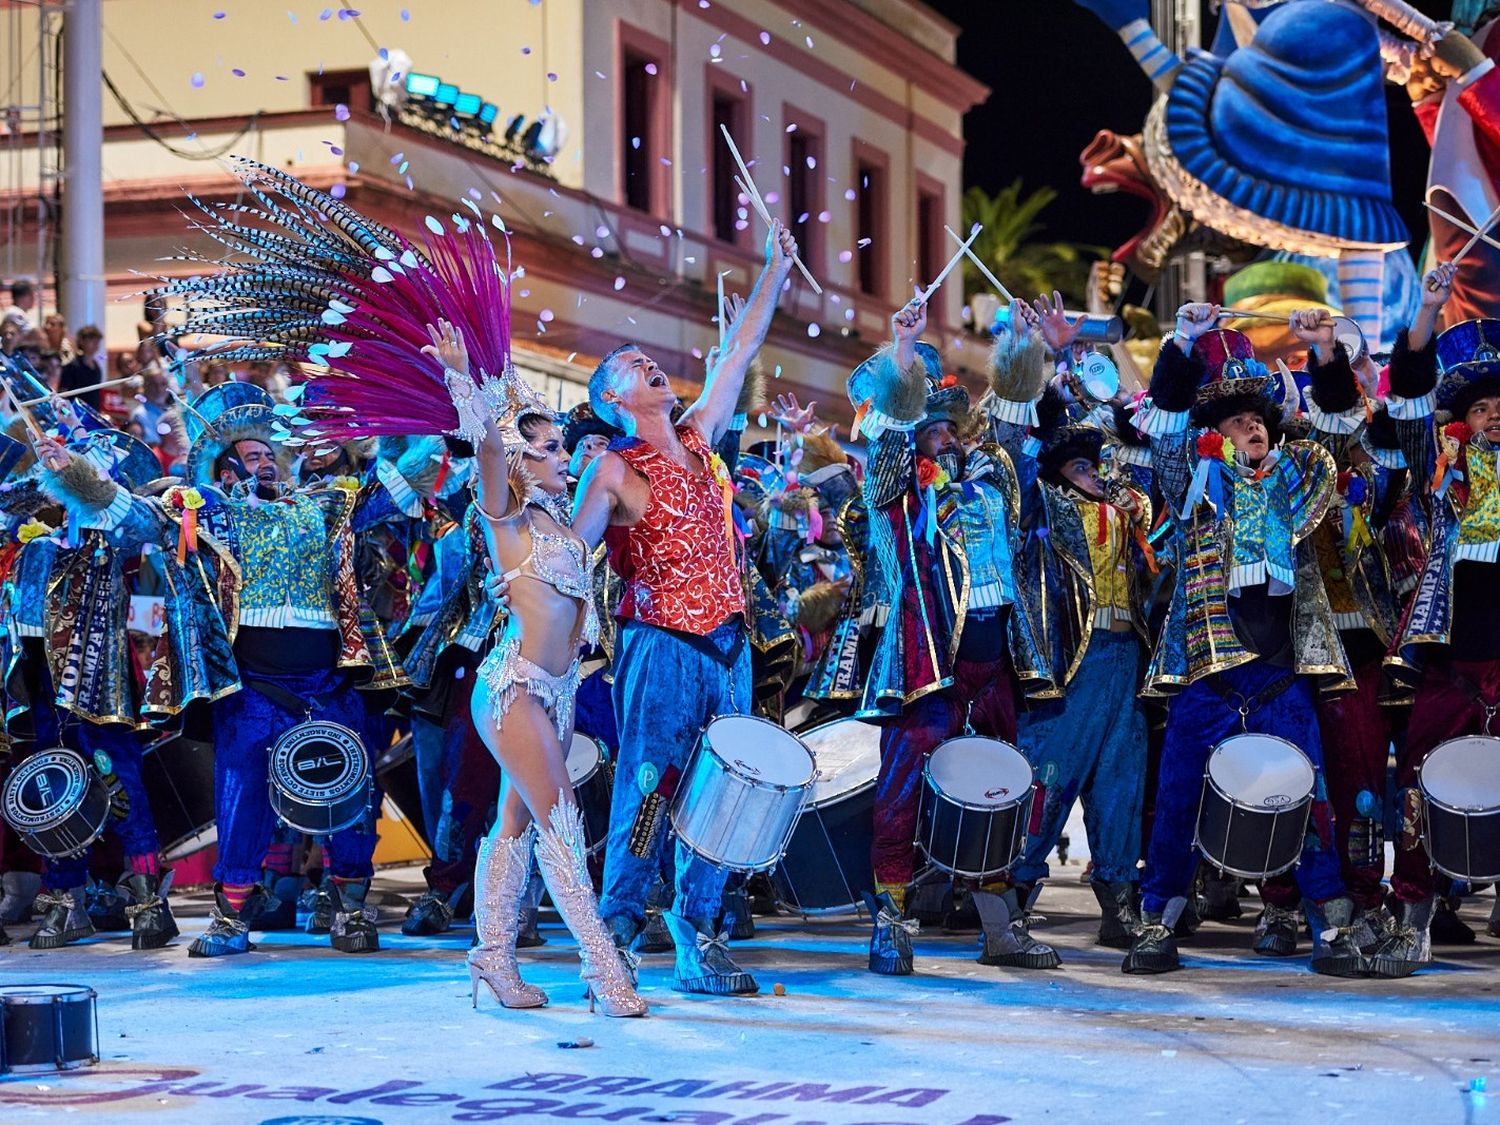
x: 1026, y: 267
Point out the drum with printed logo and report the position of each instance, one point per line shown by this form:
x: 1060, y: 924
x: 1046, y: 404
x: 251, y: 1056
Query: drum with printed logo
x: 56, y: 802
x: 178, y: 775
x: 319, y: 778
x: 740, y: 795
x: 1257, y: 798
x: 976, y: 803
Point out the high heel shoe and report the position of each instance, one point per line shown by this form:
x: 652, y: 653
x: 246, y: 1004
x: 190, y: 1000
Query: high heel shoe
x: 500, y: 872
x: 560, y: 855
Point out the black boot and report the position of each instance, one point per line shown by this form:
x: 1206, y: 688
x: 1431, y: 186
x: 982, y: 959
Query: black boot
x: 320, y: 906
x: 735, y: 916
x: 353, y: 928
x: 1006, y: 922
x: 228, y: 930
x: 1335, y: 947
x: 1409, y: 945
x: 430, y: 914
x: 1155, y: 949
x: 1447, y: 927
x: 890, y: 944
x: 281, y: 902
x: 106, y: 907
x: 1119, y: 912
x: 18, y: 891
x: 1276, y: 932
x: 1219, y: 897
x: 655, y: 936
x: 151, y: 921
x: 703, y: 961
x: 65, y: 918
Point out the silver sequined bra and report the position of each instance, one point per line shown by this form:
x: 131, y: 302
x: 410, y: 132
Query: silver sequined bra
x: 564, y: 563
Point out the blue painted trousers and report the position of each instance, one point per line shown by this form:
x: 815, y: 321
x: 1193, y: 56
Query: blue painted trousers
x: 54, y: 727
x: 666, y: 691
x: 1198, y: 719
x: 1089, y: 745
x: 245, y: 725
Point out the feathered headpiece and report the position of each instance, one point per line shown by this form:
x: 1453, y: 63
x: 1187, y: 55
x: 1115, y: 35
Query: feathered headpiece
x: 315, y: 282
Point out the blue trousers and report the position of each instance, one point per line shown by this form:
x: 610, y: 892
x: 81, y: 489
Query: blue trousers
x: 666, y: 692
x: 1198, y: 719
x: 245, y: 725
x: 53, y: 727
x: 1089, y: 745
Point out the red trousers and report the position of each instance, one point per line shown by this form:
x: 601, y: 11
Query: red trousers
x: 1356, y: 733
x: 1450, y: 702
x: 985, y: 694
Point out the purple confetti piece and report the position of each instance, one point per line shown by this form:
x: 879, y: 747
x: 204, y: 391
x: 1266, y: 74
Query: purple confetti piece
x: 341, y: 112
x: 765, y: 38
x: 405, y: 16
x: 525, y: 50
x: 197, y: 80
x: 845, y: 256
x: 220, y: 15
x: 326, y: 14
x: 714, y: 51
x: 619, y: 284
x: 337, y: 191
x: 354, y: 165
x: 863, y: 242
x: 814, y: 331
x: 237, y: 72
x: 398, y: 158
x: 545, y: 316
x: 551, y: 76
x: 335, y: 150
x: 596, y: 253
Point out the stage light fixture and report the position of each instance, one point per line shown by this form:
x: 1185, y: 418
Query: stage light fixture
x: 514, y: 128
x: 488, y: 112
x: 422, y: 85
x: 446, y: 95
x: 466, y: 105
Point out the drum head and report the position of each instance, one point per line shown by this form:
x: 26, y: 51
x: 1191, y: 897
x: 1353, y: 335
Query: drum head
x: 1463, y: 773
x: 584, y: 756
x: 761, y: 750
x: 319, y: 763
x: 847, y: 752
x: 45, y: 788
x: 1347, y: 332
x: 1261, y: 771
x: 979, y: 771
x: 42, y: 993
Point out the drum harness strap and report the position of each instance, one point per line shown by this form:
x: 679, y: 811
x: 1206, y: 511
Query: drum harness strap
x: 1247, y: 705
x: 1463, y: 683
x: 285, y: 699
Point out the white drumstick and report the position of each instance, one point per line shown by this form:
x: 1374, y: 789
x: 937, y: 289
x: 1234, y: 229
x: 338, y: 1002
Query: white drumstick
x: 953, y: 261
x: 748, y: 186
x: 1477, y: 235
x: 980, y: 266
x: 1461, y: 224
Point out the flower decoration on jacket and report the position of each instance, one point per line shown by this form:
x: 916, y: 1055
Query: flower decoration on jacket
x: 725, y: 481
x: 1214, y: 452
x: 187, y: 502
x: 1354, y: 491
x: 930, y: 474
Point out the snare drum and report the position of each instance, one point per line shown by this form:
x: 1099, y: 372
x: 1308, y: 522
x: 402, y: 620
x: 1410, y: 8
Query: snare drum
x: 976, y: 803
x: 46, y: 1027
x: 1460, y: 784
x: 319, y: 778
x: 56, y: 802
x: 826, y: 869
x: 178, y: 775
x: 739, y: 797
x: 588, y: 770
x: 1257, y: 797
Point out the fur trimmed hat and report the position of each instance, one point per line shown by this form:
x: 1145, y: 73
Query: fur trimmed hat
x: 582, y: 422
x: 885, y: 398
x: 1468, y: 357
x: 1062, y: 440
x: 222, y: 417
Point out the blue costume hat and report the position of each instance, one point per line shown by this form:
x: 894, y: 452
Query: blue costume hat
x: 882, y: 390
x: 1283, y: 143
x: 129, y: 461
x: 1469, y: 359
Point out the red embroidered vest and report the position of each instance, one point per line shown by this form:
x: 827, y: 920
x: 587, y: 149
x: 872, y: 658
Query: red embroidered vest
x: 677, y: 561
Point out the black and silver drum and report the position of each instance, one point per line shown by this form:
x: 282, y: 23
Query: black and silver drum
x: 320, y: 778
x: 400, y: 782
x: 976, y: 804
x: 56, y: 802
x: 45, y: 1027
x: 588, y: 770
x: 1460, y: 784
x: 826, y: 869
x: 1257, y: 797
x: 741, y: 792
x: 178, y: 775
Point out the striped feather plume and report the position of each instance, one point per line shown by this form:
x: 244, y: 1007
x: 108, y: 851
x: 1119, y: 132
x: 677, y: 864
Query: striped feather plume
x: 307, y: 279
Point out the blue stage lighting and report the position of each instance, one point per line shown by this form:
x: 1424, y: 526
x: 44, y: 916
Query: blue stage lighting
x: 422, y: 85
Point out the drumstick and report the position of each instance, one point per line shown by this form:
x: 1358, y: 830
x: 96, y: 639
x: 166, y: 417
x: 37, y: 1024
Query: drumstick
x: 20, y: 409
x: 1255, y: 313
x: 1477, y: 235
x: 953, y: 261
x: 980, y: 266
x: 748, y: 185
x: 1459, y: 223
x: 722, y: 331
x: 81, y: 390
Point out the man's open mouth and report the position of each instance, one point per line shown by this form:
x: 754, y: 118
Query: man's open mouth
x: 656, y: 380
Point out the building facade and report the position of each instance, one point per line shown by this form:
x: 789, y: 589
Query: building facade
x: 848, y: 111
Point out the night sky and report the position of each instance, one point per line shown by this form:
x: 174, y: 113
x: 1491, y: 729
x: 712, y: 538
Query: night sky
x: 1059, y: 76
